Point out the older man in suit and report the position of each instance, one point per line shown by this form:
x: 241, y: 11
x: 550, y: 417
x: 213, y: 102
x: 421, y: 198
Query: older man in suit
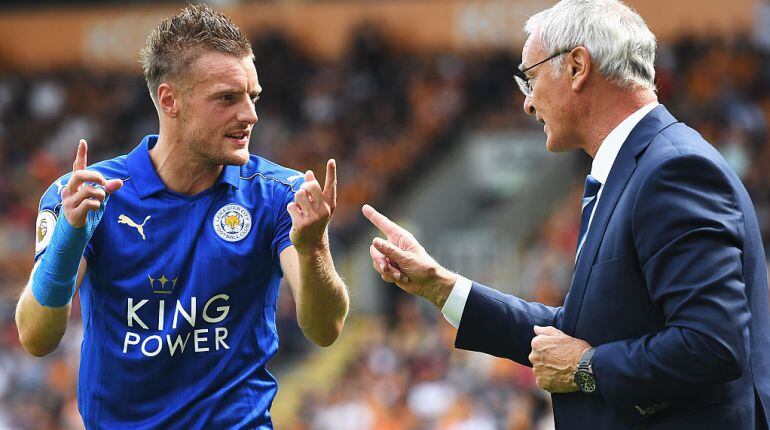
x: 666, y: 323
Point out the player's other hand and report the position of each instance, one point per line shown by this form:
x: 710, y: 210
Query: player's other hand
x: 80, y: 195
x: 312, y: 209
x: 402, y: 260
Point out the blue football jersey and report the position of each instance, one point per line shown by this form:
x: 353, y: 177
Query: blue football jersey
x: 179, y: 298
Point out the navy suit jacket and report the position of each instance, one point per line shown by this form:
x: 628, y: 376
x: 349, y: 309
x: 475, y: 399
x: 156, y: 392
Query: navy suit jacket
x: 670, y: 287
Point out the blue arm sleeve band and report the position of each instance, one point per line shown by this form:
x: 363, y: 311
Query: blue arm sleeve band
x: 53, y: 283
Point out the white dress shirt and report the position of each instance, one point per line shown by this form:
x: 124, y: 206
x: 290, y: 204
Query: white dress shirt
x: 600, y: 170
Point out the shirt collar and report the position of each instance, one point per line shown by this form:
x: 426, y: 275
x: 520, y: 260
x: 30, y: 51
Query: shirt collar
x: 145, y: 178
x: 608, y: 150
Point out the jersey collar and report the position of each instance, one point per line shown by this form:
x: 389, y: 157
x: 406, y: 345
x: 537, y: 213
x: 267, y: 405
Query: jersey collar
x: 145, y: 178
x: 230, y: 175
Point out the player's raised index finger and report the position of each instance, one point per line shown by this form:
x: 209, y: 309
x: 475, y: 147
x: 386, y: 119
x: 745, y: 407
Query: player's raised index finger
x: 381, y: 221
x: 81, y: 159
x: 330, y: 184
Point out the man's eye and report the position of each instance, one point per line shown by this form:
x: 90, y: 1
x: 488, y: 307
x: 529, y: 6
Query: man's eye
x: 227, y: 98
x: 531, y: 82
x: 255, y: 99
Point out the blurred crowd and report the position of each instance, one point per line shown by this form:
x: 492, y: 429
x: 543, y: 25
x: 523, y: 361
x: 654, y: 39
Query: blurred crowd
x: 385, y: 114
x: 406, y: 375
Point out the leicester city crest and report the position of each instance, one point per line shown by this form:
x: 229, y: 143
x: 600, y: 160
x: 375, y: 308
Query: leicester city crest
x: 232, y: 222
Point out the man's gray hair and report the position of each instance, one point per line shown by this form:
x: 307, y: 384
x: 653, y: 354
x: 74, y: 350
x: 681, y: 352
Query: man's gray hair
x: 616, y: 37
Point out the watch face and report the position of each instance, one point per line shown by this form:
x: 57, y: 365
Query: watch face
x: 585, y: 381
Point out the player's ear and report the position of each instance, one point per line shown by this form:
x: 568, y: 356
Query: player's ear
x: 168, y: 102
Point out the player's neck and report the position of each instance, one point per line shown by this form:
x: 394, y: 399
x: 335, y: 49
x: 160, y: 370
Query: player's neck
x: 179, y: 170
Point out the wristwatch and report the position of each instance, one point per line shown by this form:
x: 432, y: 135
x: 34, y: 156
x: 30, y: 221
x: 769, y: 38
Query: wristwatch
x: 584, y: 375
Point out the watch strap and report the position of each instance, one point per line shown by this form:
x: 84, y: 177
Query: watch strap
x: 586, y: 360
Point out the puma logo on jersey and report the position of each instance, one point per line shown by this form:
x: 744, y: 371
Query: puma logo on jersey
x: 122, y: 219
x: 59, y: 186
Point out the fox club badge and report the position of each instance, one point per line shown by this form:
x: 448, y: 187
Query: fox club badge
x: 232, y: 222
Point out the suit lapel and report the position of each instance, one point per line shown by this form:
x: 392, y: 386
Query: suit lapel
x: 622, y: 169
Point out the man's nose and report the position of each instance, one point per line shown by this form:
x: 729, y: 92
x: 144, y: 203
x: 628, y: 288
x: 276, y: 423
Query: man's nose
x: 529, y: 109
x: 248, y: 114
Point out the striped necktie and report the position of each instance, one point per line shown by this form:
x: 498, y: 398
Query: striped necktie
x: 589, y: 201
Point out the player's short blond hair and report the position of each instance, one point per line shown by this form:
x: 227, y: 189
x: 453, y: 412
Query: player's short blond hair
x: 179, y: 40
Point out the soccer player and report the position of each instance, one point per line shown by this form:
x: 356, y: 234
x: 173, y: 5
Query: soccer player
x: 178, y: 249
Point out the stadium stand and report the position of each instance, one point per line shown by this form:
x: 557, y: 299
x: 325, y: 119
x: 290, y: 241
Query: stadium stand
x: 384, y: 114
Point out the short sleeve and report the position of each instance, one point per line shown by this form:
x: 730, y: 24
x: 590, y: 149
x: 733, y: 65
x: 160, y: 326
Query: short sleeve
x: 48, y: 214
x: 281, y: 238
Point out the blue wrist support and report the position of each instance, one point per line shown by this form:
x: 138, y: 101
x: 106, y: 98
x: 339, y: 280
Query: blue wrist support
x: 53, y: 283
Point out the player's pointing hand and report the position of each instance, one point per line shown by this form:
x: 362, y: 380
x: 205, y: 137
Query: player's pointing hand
x: 312, y: 209
x: 86, y: 189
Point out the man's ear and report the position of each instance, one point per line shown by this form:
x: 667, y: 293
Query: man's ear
x: 168, y: 99
x: 578, y: 64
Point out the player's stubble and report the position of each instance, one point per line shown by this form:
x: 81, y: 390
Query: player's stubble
x: 205, y: 143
